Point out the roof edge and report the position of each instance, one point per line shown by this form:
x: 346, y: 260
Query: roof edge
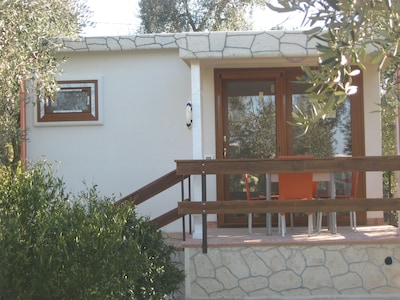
x: 199, y: 45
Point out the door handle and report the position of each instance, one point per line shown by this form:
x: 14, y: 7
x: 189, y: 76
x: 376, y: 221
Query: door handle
x: 224, y: 152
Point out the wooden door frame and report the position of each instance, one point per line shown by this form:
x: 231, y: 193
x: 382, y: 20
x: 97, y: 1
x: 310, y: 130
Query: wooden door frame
x: 283, y: 133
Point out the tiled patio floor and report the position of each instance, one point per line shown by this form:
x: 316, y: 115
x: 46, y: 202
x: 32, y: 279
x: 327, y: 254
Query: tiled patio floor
x: 227, y: 237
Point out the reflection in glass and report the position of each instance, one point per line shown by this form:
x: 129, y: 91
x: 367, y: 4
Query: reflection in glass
x: 330, y: 136
x: 252, y: 130
x: 252, y: 119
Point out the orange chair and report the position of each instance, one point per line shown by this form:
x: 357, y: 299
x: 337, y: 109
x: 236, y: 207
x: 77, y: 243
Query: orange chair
x: 295, y: 186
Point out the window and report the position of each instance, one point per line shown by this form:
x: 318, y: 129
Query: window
x: 75, y: 101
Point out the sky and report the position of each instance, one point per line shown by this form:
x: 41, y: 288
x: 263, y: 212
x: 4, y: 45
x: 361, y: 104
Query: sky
x: 113, y: 17
x: 120, y: 17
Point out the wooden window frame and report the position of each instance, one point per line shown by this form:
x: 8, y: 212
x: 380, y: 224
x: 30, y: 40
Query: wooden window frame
x: 88, y: 114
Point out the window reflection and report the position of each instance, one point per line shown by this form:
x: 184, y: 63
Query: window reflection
x: 252, y: 119
x: 328, y: 137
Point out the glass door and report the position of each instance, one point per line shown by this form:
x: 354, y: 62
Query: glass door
x: 249, y: 130
x: 251, y: 133
x: 329, y: 137
x: 254, y: 110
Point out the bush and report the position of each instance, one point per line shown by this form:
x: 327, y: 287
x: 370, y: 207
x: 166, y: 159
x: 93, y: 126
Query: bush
x: 58, y: 246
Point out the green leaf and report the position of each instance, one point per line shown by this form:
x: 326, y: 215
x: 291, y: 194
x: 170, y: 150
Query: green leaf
x: 313, y: 31
x: 329, y: 61
x: 339, y: 93
x: 323, y: 48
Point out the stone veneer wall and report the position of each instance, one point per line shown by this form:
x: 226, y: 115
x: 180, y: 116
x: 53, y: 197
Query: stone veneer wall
x: 294, y: 272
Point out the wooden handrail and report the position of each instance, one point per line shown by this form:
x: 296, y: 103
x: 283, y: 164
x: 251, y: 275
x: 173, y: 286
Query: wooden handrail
x: 166, y: 218
x: 262, y: 206
x: 287, y: 165
x: 153, y: 188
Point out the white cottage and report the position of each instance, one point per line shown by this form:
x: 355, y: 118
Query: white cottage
x: 134, y: 126
x: 130, y: 106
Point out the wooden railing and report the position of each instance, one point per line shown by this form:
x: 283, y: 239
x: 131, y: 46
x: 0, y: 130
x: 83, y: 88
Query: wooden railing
x: 154, y: 188
x: 283, y: 165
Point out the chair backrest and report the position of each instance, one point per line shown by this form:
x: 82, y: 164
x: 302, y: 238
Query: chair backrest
x: 354, y: 184
x: 248, y: 179
x: 348, y: 185
x: 296, y: 185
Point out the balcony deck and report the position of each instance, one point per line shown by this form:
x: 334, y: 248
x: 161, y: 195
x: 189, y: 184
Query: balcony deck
x: 234, y: 237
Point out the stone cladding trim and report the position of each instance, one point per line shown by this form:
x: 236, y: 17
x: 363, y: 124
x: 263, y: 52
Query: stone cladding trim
x: 205, y: 45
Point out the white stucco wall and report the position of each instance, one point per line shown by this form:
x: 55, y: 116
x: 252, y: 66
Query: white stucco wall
x: 144, y: 130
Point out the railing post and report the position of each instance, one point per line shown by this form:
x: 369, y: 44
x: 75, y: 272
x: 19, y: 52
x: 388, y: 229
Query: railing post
x: 183, y: 217
x: 190, y: 199
x: 204, y: 216
x: 268, y: 193
x: 189, y: 192
x: 332, y: 192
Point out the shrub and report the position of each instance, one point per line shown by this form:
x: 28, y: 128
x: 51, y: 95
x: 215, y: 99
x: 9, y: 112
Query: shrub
x: 55, y: 245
